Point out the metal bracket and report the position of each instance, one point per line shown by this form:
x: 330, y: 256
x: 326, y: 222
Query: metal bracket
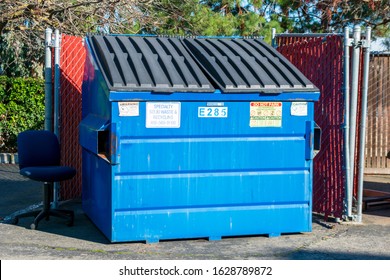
x: 50, y: 43
x: 355, y: 218
x: 349, y: 42
x: 365, y: 44
x: 359, y: 44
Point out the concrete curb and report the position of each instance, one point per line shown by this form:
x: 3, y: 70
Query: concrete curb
x: 9, y: 158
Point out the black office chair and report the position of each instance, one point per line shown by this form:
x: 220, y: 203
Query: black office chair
x: 39, y: 160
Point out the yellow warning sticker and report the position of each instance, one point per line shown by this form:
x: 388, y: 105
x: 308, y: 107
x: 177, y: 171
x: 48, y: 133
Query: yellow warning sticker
x: 265, y: 114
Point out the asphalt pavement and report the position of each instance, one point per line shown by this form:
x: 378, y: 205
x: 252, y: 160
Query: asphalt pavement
x: 53, y: 240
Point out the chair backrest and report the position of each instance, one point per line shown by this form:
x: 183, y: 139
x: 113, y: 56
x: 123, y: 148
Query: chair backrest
x: 38, y: 148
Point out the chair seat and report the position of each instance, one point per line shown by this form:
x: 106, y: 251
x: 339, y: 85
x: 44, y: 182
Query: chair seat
x: 48, y: 173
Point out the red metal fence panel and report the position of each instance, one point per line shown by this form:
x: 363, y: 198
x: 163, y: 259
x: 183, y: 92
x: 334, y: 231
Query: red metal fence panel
x: 72, y: 59
x: 321, y: 60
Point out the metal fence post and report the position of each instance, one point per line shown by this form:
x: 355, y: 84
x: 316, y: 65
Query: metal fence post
x: 48, y: 81
x: 56, y: 103
x: 56, y: 81
x: 273, y: 38
x: 354, y: 101
x: 354, y: 157
x: 347, y: 43
x: 366, y: 61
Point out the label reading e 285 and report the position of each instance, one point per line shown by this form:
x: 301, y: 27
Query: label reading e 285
x: 212, y: 112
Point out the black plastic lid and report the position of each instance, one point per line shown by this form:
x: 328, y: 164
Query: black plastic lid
x: 247, y: 65
x: 161, y: 64
x: 156, y: 64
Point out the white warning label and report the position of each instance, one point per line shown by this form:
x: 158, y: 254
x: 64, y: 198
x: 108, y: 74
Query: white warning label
x: 128, y: 109
x: 265, y: 114
x: 299, y: 109
x: 163, y: 114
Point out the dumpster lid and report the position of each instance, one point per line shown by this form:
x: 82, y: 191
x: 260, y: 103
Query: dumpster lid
x: 152, y: 64
x: 247, y: 65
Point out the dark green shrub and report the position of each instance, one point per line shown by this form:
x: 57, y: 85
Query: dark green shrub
x: 22, y: 107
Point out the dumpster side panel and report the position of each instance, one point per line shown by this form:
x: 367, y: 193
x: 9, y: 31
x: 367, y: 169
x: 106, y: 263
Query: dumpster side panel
x: 96, y: 193
x: 96, y: 188
x: 94, y: 90
x: 213, y: 154
x: 211, y: 189
x: 212, y: 223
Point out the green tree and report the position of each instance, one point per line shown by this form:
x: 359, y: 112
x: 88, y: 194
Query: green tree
x: 330, y: 15
x: 211, y: 18
x: 21, y: 58
x: 21, y: 107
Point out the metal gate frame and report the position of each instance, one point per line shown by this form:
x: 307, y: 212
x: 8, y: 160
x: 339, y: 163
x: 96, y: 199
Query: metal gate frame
x: 354, y: 110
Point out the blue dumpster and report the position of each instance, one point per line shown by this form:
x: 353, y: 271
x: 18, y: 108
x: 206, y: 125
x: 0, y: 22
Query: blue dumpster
x: 195, y: 138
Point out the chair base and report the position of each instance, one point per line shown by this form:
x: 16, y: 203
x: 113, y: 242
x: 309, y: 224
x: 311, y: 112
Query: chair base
x: 65, y: 214
x: 46, y: 212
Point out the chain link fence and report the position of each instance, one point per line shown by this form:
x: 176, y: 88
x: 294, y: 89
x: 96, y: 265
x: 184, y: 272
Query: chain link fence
x: 320, y: 59
x: 72, y: 58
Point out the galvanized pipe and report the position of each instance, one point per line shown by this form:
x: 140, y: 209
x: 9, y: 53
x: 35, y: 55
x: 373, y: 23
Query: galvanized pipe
x: 362, y: 142
x: 56, y: 103
x: 48, y: 81
x: 273, y: 38
x: 354, y: 101
x: 347, y: 200
x: 56, y: 81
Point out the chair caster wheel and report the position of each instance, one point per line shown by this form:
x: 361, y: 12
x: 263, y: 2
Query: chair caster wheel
x: 33, y: 226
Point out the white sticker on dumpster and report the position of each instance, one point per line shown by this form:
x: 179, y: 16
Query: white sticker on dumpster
x: 299, y: 109
x: 265, y: 114
x: 163, y: 114
x: 128, y: 109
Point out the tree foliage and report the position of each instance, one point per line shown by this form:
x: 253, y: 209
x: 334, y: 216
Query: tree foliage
x: 23, y: 22
x: 21, y: 108
x: 330, y: 15
x: 21, y: 57
x: 238, y: 17
x: 75, y: 17
x: 210, y: 18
